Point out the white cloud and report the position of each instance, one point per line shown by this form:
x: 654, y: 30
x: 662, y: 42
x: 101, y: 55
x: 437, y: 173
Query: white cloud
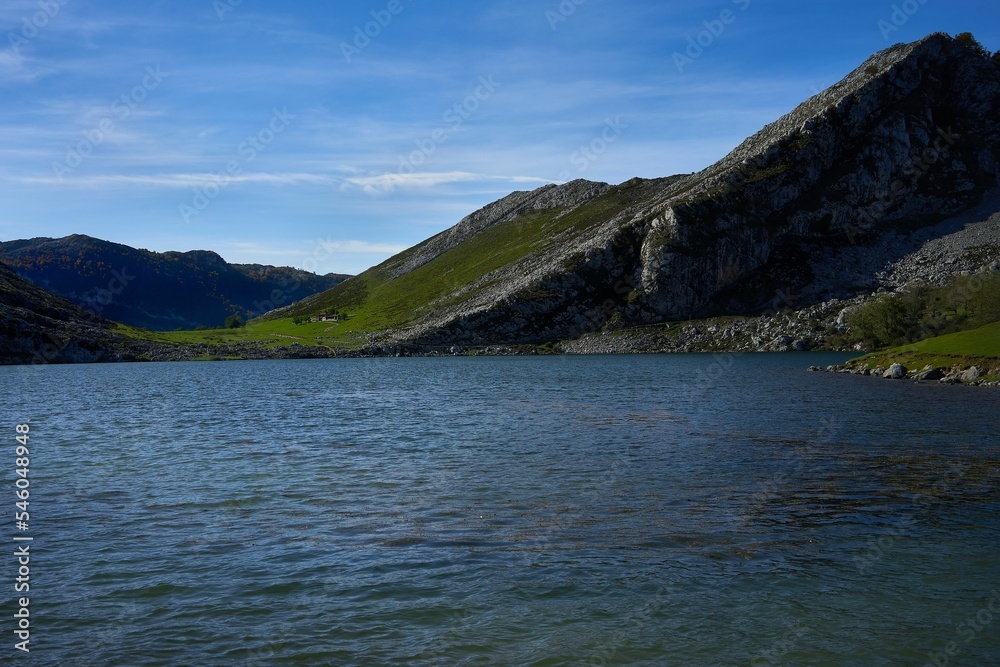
x: 183, y: 180
x: 319, y: 255
x: 362, y: 247
x: 13, y: 67
x: 315, y: 247
x: 389, y: 182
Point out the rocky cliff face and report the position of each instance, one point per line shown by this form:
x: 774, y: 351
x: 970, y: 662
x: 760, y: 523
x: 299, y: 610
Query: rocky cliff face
x: 909, y: 138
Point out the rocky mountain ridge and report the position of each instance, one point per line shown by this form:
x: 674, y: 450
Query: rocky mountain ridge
x: 907, y: 140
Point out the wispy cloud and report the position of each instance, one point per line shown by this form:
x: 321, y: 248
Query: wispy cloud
x: 299, y: 253
x: 363, y: 247
x: 14, y: 69
x: 322, y: 255
x: 182, y: 180
x: 389, y: 182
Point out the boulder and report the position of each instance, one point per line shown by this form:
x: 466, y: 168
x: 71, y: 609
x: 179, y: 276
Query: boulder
x: 973, y: 374
x: 929, y: 374
x: 895, y: 372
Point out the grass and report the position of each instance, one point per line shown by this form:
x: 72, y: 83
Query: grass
x: 976, y: 347
x: 275, y: 333
x: 984, y: 341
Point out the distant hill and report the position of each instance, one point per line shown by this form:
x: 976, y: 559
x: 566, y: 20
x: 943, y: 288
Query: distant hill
x: 157, y: 291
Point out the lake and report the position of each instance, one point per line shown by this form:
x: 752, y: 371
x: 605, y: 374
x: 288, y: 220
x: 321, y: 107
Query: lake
x: 605, y: 510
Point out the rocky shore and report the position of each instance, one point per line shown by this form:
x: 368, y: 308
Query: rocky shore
x: 977, y: 375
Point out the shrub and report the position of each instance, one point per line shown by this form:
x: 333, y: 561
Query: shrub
x: 966, y: 39
x: 234, y: 321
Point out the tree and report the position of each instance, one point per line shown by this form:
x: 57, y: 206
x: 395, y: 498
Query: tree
x: 234, y: 321
x: 880, y: 322
x: 988, y: 299
x: 967, y: 39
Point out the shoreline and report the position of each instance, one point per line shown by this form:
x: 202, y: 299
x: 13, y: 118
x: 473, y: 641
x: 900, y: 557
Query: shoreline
x: 980, y: 371
x: 975, y: 375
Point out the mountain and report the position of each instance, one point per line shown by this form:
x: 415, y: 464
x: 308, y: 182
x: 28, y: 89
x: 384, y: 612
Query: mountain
x: 907, y: 141
x: 157, y: 291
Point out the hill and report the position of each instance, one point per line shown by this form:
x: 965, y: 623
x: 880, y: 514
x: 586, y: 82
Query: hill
x: 158, y: 291
x: 37, y: 327
x: 810, y: 211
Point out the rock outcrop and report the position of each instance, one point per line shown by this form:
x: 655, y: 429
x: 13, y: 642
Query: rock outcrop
x: 896, y: 372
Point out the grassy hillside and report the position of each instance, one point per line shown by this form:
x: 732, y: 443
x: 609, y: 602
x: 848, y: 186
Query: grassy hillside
x: 273, y: 333
x: 377, y: 301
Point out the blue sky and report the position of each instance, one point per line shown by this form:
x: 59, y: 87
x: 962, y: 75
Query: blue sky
x: 332, y: 135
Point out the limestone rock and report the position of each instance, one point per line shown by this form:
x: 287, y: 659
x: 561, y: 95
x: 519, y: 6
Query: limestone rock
x: 973, y: 374
x: 895, y: 372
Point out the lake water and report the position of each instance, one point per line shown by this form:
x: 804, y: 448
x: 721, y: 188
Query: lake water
x: 638, y: 510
